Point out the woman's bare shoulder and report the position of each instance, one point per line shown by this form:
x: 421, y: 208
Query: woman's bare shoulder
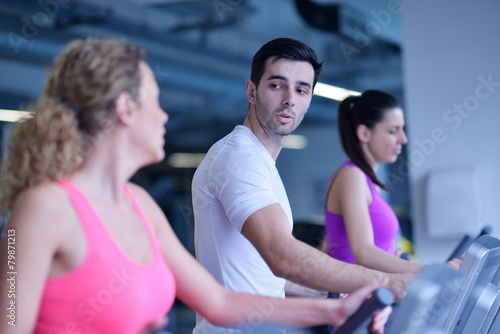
x: 46, y: 203
x: 349, y: 173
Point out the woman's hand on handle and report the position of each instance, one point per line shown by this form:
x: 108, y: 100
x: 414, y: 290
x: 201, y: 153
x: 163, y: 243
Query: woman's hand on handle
x: 352, y: 303
x: 155, y: 325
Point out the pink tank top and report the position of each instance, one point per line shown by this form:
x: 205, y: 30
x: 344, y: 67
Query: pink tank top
x: 108, y: 292
x: 385, y: 226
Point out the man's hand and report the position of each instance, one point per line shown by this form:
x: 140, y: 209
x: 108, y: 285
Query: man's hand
x: 455, y: 263
x: 398, y: 284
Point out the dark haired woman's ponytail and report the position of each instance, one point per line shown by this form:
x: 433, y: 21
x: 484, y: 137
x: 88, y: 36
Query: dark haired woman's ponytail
x: 366, y: 109
x: 347, y: 121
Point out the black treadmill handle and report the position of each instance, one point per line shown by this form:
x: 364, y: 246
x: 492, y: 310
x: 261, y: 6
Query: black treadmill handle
x: 405, y: 256
x: 485, y: 230
x: 461, y: 248
x: 361, y: 319
x: 466, y: 241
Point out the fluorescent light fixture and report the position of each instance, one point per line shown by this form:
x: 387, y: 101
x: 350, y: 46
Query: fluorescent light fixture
x: 333, y: 92
x: 13, y: 115
x: 297, y: 142
x: 185, y: 160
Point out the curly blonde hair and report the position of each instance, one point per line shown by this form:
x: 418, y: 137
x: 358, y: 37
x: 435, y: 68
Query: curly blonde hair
x: 77, y: 104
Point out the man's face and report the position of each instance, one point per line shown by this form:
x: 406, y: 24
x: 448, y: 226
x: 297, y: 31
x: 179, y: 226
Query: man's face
x: 284, y: 95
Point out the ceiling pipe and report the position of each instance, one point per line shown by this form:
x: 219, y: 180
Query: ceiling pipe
x: 173, y: 59
x: 210, y: 74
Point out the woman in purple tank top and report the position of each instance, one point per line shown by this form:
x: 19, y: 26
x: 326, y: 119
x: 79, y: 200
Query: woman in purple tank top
x: 361, y: 227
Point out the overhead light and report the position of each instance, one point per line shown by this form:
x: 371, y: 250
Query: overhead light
x: 7, y: 115
x: 185, y: 160
x: 333, y: 92
x: 297, y: 142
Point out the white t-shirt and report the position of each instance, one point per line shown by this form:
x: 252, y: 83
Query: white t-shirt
x: 237, y: 177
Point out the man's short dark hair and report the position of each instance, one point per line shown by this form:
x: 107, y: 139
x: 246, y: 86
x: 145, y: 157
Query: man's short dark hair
x: 283, y: 48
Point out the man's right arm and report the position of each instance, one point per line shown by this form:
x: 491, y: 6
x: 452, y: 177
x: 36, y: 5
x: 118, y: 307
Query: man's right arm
x: 268, y: 230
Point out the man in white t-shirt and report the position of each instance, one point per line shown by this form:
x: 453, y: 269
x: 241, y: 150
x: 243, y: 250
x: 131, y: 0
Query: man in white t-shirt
x: 243, y: 220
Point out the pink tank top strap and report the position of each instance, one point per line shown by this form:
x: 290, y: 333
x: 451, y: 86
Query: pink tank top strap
x: 144, y: 219
x: 90, y: 220
x: 87, y: 216
x: 95, y: 296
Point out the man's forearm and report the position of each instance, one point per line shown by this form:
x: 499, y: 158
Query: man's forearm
x: 268, y: 230
x: 307, y: 266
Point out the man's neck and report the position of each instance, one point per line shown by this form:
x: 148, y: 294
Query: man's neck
x: 272, y: 143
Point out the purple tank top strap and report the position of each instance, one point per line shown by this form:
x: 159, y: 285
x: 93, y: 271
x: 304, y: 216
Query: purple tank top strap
x: 368, y: 179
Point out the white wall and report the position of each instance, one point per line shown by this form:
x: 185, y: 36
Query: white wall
x: 450, y: 48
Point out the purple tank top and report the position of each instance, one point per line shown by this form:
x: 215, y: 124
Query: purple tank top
x: 384, y: 222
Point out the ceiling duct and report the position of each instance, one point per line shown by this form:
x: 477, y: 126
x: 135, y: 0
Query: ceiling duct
x: 346, y: 21
x: 320, y: 16
x: 339, y: 19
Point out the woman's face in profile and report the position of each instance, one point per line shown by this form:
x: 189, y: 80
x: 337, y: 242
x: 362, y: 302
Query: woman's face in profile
x: 387, y: 137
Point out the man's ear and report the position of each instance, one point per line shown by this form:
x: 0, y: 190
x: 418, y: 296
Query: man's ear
x: 251, y: 91
x: 125, y: 108
x: 364, y: 133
